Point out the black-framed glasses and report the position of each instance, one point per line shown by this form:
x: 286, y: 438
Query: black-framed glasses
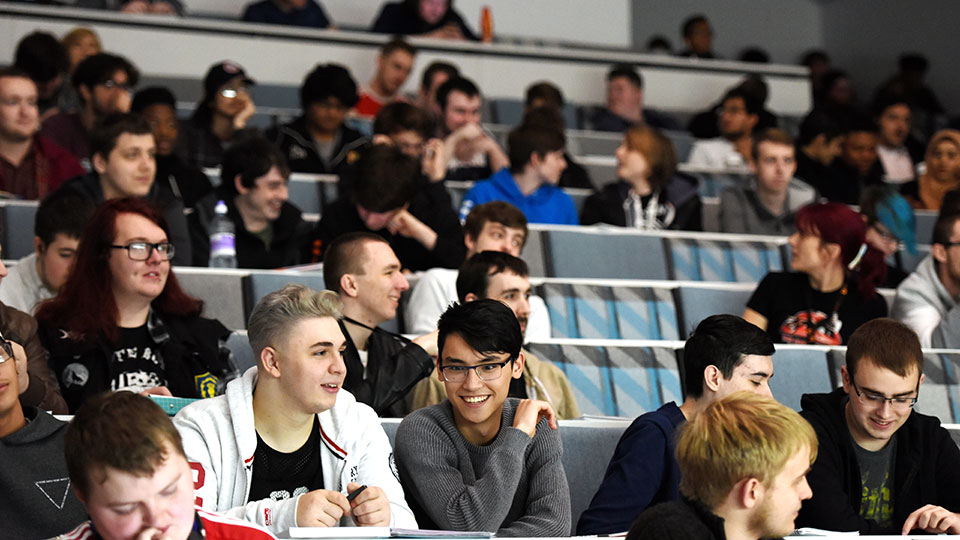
x: 111, y: 84
x: 232, y: 92
x: 7, y: 347
x: 872, y: 399
x: 141, y: 251
x: 949, y: 245
x: 486, y: 372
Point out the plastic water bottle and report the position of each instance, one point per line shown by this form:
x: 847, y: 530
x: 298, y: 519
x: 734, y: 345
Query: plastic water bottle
x: 223, y: 239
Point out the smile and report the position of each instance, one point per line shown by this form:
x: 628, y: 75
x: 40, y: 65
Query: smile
x: 476, y: 399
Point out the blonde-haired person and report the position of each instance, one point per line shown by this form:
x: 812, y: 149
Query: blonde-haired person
x: 80, y: 43
x: 286, y: 444
x: 943, y: 172
x: 649, y: 194
x: 743, y: 464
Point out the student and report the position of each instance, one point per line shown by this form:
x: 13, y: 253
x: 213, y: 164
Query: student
x: 743, y: 462
x: 501, y: 276
x: 381, y: 366
x: 224, y: 109
x: 724, y: 354
x: 818, y: 144
x: 57, y: 228
x: 318, y: 141
x: 128, y: 468
x: 304, y: 13
x: 883, y: 468
x: 39, y: 502
x: 494, y: 226
x: 739, y: 114
x: 123, y: 150
x: 424, y: 18
x: 769, y: 204
x: 530, y: 184
x: 121, y: 320
x: 270, y: 231
x: 473, y: 153
x: 286, y: 444
x: 480, y: 461
x: 394, y: 64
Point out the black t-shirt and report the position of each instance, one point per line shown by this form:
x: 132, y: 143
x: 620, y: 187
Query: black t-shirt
x: 792, y: 308
x: 136, y: 364
x: 279, y: 475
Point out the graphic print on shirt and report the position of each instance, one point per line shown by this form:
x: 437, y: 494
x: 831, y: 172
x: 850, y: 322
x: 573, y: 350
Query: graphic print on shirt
x: 797, y: 327
x: 55, y: 490
x: 876, y: 501
x: 136, y: 369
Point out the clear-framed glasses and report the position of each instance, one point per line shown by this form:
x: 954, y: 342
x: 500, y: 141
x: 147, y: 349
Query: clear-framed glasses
x: 141, y: 251
x: 486, y: 372
x: 871, y: 399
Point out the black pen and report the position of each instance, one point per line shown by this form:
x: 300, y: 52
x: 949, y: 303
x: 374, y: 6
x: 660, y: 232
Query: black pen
x: 356, y: 492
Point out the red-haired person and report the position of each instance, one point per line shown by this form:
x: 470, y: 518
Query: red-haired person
x: 832, y: 289
x: 122, y: 322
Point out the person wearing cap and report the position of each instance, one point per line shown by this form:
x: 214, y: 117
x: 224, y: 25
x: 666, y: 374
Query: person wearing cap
x: 224, y: 109
x: 927, y: 299
x: 158, y: 106
x: 890, y: 225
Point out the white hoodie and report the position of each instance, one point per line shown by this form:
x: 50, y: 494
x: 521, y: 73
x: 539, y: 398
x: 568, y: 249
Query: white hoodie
x: 219, y: 439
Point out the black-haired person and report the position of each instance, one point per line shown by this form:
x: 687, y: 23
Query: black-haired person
x: 424, y: 18
x: 818, y: 144
x: 318, y: 141
x: 435, y: 74
x: 504, y: 277
x: 158, y: 106
x: 472, y: 153
x: 384, y: 200
x: 103, y: 82
x: 625, y: 103
x: 305, y: 13
x: 698, y: 37
x: 270, y: 232
x: 479, y: 460
x: 543, y: 106
x: 123, y: 150
x: 858, y: 165
x: 530, y: 184
x: 45, y: 59
x: 394, y: 64
x: 725, y: 354
x: 224, y: 109
x: 57, y: 227
x: 738, y: 116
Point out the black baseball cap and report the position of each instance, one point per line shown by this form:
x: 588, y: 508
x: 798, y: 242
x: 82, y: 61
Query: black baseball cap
x: 220, y: 74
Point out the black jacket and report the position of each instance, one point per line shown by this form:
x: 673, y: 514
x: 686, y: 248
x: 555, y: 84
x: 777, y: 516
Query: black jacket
x: 289, y: 247
x: 606, y: 205
x: 296, y: 143
x: 159, y: 195
x: 195, y: 363
x: 927, y: 469
x: 678, y: 520
x: 431, y: 205
x: 394, y: 366
x: 186, y: 183
x: 401, y: 18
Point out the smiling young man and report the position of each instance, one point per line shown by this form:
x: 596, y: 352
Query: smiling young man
x: 128, y: 468
x: 286, y: 445
x: 394, y: 64
x: 494, y: 226
x: 381, y: 366
x: 480, y: 461
x: 501, y: 276
x: 769, y: 205
x: 883, y: 468
x: 744, y: 461
x: 724, y: 354
x: 270, y: 232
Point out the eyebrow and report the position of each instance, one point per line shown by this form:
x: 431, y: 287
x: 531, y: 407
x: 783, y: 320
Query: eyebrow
x: 166, y: 487
x: 763, y: 374
x: 322, y: 344
x: 872, y: 391
x: 489, y: 359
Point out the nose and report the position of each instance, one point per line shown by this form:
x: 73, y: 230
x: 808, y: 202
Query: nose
x: 3, y: 270
x: 523, y: 309
x: 284, y: 192
x: 765, y: 390
x: 402, y: 283
x: 792, y: 240
x: 154, y: 257
x: 149, y: 513
x: 805, y: 491
x: 472, y: 380
x: 338, y: 366
x: 621, y: 150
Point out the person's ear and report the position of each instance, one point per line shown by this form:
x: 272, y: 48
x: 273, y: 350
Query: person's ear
x: 80, y: 496
x: 439, y: 373
x: 470, y: 242
x: 750, y: 493
x: 38, y: 246
x: 712, y: 377
x: 518, y: 366
x: 845, y: 378
x: 939, y: 253
x: 85, y: 94
x: 99, y: 163
x: 470, y: 297
x: 832, y: 250
x: 349, y: 285
x: 753, y: 119
x: 270, y: 361
x: 238, y: 184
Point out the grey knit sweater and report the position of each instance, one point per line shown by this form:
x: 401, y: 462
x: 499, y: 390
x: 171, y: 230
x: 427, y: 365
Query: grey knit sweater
x: 514, y: 486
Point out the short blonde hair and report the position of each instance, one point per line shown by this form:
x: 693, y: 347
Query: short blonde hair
x: 276, y: 313
x: 74, y: 36
x: 743, y: 435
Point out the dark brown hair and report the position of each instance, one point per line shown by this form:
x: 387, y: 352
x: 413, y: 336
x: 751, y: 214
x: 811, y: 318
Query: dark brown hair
x: 889, y: 344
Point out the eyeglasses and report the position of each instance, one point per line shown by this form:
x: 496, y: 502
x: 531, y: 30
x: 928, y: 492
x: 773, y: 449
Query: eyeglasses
x: 7, y: 347
x: 885, y: 233
x: 486, y: 372
x: 877, y: 400
x: 232, y: 92
x: 141, y: 251
x: 111, y: 84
